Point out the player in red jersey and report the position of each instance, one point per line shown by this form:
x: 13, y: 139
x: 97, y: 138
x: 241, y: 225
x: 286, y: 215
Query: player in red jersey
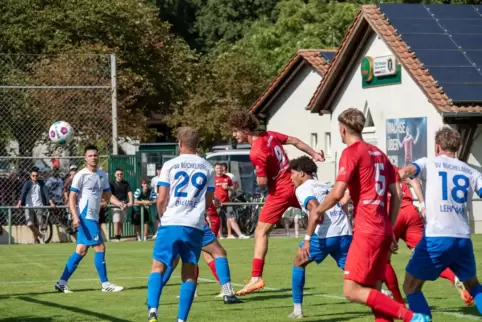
x: 272, y: 170
x: 222, y: 185
x: 369, y: 176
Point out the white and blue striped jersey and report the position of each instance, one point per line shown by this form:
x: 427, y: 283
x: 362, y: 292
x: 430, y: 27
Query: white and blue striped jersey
x: 449, y: 185
x: 188, y: 178
x: 336, y: 221
x: 89, y: 186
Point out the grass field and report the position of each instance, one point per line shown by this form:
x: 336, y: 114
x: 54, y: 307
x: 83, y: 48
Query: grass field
x: 28, y: 273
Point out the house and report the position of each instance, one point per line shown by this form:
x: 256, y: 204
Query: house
x: 411, y: 68
x: 285, y: 105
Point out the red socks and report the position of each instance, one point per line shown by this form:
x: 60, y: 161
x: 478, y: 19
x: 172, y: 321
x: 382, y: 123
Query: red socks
x: 381, y: 317
x: 391, y: 281
x: 384, y: 307
x: 258, y: 265
x: 448, y: 275
x: 212, y: 266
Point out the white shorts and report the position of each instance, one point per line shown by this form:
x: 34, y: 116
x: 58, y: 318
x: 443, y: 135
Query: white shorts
x: 119, y: 215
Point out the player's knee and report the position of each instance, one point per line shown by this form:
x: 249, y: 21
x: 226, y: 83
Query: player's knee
x: 100, y: 248
x: 411, y: 285
x: 263, y: 229
x: 157, y: 267
x: 81, y: 250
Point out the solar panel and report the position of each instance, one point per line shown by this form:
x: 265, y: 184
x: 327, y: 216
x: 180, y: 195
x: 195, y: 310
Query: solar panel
x: 464, y: 93
x: 441, y: 58
x: 468, y: 41
x: 404, y: 10
x: 462, y: 26
x: 441, y: 11
x: 328, y: 55
x: 462, y: 75
x: 405, y: 26
x: 429, y: 41
x: 475, y: 56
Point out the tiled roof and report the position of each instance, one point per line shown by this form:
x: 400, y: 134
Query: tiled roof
x: 313, y: 57
x: 377, y: 21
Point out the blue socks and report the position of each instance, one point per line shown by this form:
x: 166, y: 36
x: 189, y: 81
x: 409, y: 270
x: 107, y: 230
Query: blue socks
x: 418, y: 304
x: 297, y: 284
x: 71, y: 266
x: 99, y: 261
x: 154, y: 290
x: 476, y: 293
x: 186, y: 297
x: 167, y: 275
x: 222, y: 270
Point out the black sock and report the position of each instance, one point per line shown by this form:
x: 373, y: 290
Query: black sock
x: 118, y: 237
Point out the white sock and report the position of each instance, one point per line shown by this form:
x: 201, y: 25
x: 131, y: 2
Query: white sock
x: 255, y: 278
x: 297, y: 308
x: 179, y: 320
x: 105, y: 284
x: 62, y: 282
x: 153, y: 310
x: 227, y: 289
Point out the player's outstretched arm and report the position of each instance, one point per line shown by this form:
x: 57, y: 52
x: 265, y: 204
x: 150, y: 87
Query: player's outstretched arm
x: 107, y: 195
x: 407, y: 172
x: 302, y: 146
x: 417, y: 187
x: 333, y: 197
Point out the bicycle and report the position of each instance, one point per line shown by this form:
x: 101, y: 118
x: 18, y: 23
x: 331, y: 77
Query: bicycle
x: 64, y: 220
x: 247, y: 215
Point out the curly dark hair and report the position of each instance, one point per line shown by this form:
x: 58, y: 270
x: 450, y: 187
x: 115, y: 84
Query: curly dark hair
x: 304, y: 164
x: 243, y: 120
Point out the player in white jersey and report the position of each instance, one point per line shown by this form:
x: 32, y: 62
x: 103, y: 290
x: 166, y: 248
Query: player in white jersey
x: 186, y: 189
x: 331, y: 237
x: 449, y: 185
x: 89, y: 186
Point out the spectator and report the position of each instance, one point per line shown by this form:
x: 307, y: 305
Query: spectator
x: 68, y: 183
x: 54, y: 186
x: 154, y: 181
x: 122, y: 191
x: 292, y: 214
x: 143, y: 197
x: 231, y: 223
x: 34, y: 194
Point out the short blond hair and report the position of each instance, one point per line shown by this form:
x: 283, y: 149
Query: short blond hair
x: 189, y: 137
x: 448, y: 139
x: 353, y: 119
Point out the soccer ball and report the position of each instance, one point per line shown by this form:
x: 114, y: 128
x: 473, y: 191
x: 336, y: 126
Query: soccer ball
x: 61, y: 132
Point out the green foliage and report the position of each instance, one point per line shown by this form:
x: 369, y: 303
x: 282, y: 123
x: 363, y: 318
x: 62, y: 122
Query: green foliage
x: 153, y: 64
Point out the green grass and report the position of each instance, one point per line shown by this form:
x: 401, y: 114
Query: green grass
x: 28, y: 273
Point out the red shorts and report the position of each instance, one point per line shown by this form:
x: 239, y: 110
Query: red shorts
x: 409, y: 226
x: 215, y: 224
x: 367, y: 258
x: 276, y: 205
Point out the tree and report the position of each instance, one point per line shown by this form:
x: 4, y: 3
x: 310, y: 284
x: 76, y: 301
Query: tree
x: 228, y: 80
x: 300, y: 24
x: 153, y: 64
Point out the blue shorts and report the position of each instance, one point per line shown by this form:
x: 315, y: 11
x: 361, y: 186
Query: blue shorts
x: 174, y: 241
x: 337, y: 247
x: 434, y: 254
x: 88, y: 233
x: 209, y: 236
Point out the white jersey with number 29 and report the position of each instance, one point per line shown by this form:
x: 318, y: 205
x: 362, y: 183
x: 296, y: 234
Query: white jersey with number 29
x: 336, y: 222
x: 188, y: 178
x: 449, y: 187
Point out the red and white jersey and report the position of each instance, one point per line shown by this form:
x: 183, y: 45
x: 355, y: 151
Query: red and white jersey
x: 270, y: 160
x: 368, y: 173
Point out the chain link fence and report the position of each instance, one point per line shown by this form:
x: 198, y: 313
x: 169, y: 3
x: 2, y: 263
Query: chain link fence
x: 38, y: 90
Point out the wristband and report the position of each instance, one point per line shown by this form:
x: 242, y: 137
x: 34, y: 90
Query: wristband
x: 307, y: 237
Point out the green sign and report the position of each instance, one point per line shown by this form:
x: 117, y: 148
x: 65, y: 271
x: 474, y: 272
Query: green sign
x: 379, y: 71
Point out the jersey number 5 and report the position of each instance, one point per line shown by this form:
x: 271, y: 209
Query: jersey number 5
x: 380, y: 182
x: 198, y: 181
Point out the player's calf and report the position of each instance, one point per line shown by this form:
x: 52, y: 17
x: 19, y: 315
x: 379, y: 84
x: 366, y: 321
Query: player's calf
x: 298, y: 285
x: 475, y: 289
x: 416, y: 300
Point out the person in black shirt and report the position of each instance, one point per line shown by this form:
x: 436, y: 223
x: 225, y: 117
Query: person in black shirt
x: 122, y: 191
x: 143, y: 197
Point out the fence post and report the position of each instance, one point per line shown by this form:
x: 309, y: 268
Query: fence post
x: 142, y: 222
x: 113, y: 83
x: 9, y: 226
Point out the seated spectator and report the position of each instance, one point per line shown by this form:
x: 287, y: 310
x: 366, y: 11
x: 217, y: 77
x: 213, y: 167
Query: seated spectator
x: 144, y: 197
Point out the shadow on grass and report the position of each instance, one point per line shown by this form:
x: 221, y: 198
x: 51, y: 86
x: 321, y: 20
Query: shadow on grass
x: 73, y: 309
x: 26, y: 319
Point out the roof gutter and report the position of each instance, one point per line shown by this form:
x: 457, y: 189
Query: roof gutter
x: 461, y: 114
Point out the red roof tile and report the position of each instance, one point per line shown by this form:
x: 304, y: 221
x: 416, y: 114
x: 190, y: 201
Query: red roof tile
x: 309, y: 56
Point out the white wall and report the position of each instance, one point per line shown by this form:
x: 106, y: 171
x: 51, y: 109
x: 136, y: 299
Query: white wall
x: 287, y: 114
x: 396, y: 101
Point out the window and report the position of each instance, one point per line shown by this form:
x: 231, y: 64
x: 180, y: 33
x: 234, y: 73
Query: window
x: 314, y: 141
x: 369, y: 123
x: 327, y: 144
